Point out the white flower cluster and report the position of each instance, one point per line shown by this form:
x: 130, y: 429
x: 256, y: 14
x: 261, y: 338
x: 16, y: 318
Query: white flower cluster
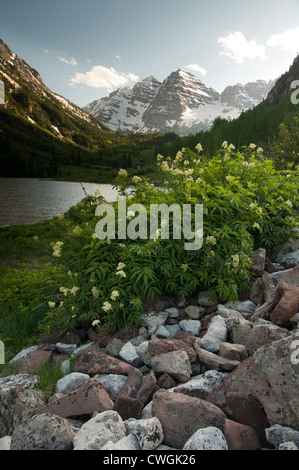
x: 120, y: 270
x: 57, y: 249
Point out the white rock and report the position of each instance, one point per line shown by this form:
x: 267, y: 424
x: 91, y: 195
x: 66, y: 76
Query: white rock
x: 26, y: 381
x: 153, y: 318
x: 95, y: 433
x: 128, y: 354
x: 66, y: 348
x: 71, y: 382
x: 146, y: 413
x: 129, y: 442
x: 5, y: 443
x: 216, y: 334
x: 191, y: 325
x: 149, y: 432
x: 209, y: 438
x: 287, y: 446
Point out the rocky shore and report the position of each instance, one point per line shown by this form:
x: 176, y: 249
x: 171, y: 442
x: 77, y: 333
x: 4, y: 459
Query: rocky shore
x: 194, y: 375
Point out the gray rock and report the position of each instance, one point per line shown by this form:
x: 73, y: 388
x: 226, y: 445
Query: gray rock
x: 172, y: 312
x: 71, y: 382
x: 277, y: 435
x: 241, y: 306
x: 147, y: 411
x: 43, y: 432
x: 229, y: 313
x: 263, y: 334
x: 112, y: 383
x: 288, y: 446
x: 209, y: 438
x: 164, y: 447
x: 216, y: 334
x: 114, y: 347
x: 289, y: 260
x: 200, y: 386
x: 194, y: 312
x: 240, y: 332
x: 95, y: 433
x: 129, y: 442
x: 142, y: 351
x: 213, y: 361
x: 162, y: 332
x: 174, y: 363
x: 128, y: 354
x: 149, y: 432
x: 22, y: 355
x: 173, y: 330
x: 191, y: 325
x: 274, y: 375
x: 19, y: 400
x: 5, y: 443
x: 236, y: 352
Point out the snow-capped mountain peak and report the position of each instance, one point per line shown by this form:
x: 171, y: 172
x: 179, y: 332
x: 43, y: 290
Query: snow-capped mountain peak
x: 181, y: 104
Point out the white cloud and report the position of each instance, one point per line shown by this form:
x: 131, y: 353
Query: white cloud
x: 238, y: 48
x: 196, y: 68
x: 118, y: 57
x: 288, y: 40
x: 45, y: 51
x: 102, y: 77
x: 70, y: 61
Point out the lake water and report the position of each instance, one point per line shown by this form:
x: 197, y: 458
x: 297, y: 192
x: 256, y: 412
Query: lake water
x: 25, y: 201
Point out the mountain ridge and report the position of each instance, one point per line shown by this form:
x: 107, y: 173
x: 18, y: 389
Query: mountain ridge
x: 182, y: 103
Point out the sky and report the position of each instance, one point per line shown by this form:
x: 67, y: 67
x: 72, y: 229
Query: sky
x: 86, y: 49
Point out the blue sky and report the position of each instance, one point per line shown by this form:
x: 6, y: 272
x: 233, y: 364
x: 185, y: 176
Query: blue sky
x: 85, y: 49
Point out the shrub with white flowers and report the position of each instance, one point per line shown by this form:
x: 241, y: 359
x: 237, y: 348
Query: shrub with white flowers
x: 247, y: 204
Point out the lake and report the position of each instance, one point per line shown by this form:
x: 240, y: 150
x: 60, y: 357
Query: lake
x: 25, y: 201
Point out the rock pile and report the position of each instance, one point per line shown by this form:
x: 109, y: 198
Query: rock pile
x: 195, y: 376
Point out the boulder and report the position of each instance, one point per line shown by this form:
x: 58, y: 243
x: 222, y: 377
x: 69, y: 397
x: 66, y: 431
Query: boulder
x: 216, y: 334
x: 174, y: 363
x: 128, y: 354
x: 213, y: 361
x: 181, y: 416
x: 35, y: 360
x: 162, y: 346
x: 43, y: 432
x: 277, y: 435
x: 71, y: 382
x: 191, y: 325
x: 153, y: 318
x: 129, y: 442
x: 288, y: 304
x: 274, y: 375
x: 112, y: 383
x: 93, y: 361
x: 95, y: 433
x: 194, y: 312
x: 18, y: 405
x: 264, y: 334
x: 236, y: 397
x: 128, y: 407
x: 236, y: 352
x: 258, y: 260
x: 240, y: 437
x: 147, y: 387
x: 202, y: 385
x: 87, y: 399
x: 209, y: 438
x: 149, y: 432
